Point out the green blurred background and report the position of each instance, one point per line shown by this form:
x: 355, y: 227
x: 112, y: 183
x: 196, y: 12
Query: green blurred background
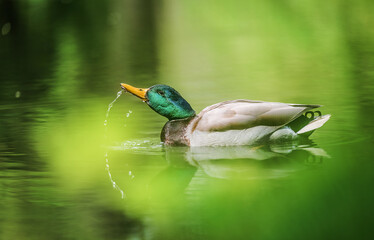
x: 61, y: 63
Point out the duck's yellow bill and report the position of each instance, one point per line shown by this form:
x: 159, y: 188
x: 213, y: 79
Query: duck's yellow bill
x: 139, y: 92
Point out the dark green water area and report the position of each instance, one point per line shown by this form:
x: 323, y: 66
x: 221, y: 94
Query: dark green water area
x: 69, y: 171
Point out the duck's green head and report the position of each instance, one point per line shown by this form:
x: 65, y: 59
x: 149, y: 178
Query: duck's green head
x: 163, y: 99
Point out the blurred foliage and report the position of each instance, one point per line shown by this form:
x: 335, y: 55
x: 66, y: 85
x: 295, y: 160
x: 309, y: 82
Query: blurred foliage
x: 61, y: 63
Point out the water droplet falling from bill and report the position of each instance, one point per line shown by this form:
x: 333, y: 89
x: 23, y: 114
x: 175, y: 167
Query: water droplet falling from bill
x: 107, y: 167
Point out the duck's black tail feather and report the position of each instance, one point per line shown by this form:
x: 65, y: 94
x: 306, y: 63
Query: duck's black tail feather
x: 307, y: 123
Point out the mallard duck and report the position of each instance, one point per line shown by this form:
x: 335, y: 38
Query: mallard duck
x: 236, y: 122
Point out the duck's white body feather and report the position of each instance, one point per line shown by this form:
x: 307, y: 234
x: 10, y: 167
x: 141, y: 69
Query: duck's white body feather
x: 243, y: 122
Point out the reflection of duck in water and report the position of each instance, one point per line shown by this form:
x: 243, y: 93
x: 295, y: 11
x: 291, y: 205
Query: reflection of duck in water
x: 245, y: 162
x: 238, y: 122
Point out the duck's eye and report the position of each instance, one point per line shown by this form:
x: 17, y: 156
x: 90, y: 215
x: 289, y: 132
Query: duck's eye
x: 162, y: 93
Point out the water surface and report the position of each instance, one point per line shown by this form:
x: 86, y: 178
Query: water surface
x: 65, y: 175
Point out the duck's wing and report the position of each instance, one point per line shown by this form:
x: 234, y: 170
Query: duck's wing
x: 244, y: 114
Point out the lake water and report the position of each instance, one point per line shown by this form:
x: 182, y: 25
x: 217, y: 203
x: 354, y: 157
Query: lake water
x: 69, y: 170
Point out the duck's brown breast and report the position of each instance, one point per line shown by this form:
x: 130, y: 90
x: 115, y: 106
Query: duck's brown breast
x: 174, y: 132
